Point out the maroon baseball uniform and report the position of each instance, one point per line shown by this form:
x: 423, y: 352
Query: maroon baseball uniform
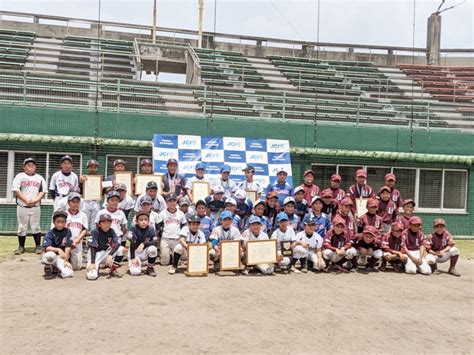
x: 437, y: 242
x: 351, y: 224
x: 390, y: 243
x: 413, y: 241
x: 396, y: 197
x: 333, y: 241
x: 359, y: 242
x: 338, y: 194
x: 356, y: 191
x: 388, y: 211
x: 368, y: 219
x: 310, y: 191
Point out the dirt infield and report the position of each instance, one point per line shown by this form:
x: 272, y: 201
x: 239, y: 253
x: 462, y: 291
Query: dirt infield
x: 376, y: 313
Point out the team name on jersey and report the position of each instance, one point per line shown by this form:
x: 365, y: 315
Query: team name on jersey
x: 28, y: 183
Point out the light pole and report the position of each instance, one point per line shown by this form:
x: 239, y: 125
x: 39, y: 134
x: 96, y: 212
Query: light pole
x: 154, y: 22
x: 201, y: 12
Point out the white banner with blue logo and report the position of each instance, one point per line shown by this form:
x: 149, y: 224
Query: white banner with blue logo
x: 265, y: 155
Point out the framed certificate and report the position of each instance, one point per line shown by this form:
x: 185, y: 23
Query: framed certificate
x: 261, y: 252
x: 92, y: 188
x: 252, y: 195
x: 361, y: 206
x: 125, y: 177
x: 285, y: 247
x: 230, y: 255
x: 200, y: 190
x: 198, y: 259
x: 141, y: 180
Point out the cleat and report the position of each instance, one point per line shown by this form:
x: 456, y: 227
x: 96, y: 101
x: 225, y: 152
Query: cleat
x: 295, y: 270
x: 150, y: 271
x: 383, y: 266
x: 434, y: 267
x: 114, y: 274
x: 48, y: 272
x: 454, y: 272
x: 172, y: 270
x: 19, y: 251
x: 305, y: 270
x: 38, y: 250
x: 245, y: 271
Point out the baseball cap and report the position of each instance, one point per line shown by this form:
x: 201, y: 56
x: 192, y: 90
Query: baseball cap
x: 347, y: 201
x: 288, y: 200
x: 370, y: 230
x: 142, y: 213
x: 389, y: 177
x: 92, y: 162
x: 309, y: 219
x: 397, y: 226
x: 384, y: 188
x: 271, y: 194
x: 113, y: 194
x: 338, y: 220
x: 172, y: 161
x: 415, y: 220
x: 151, y: 185
x: 249, y: 168
x: 254, y: 219
x: 73, y: 195
x: 66, y: 157
x: 59, y: 213
x: 194, y: 218
x: 316, y: 198
x: 226, y: 168
x: 184, y: 201
x: 171, y: 197
x: 372, y: 202
x: 361, y: 172
x: 259, y: 202
x: 145, y: 161
x: 231, y: 201
x: 326, y: 193
x: 240, y: 194
x: 282, y: 216
x: 200, y: 166
x: 146, y: 199
x: 336, y: 177
x: 299, y: 189
x: 119, y: 161
x: 439, y: 221
x: 29, y: 160
x: 307, y: 172
x: 226, y: 214
x: 105, y: 217
x: 119, y: 187
x: 218, y: 189
x: 407, y: 201
x: 281, y: 170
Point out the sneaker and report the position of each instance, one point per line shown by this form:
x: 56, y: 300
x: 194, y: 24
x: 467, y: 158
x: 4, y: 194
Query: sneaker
x: 115, y: 274
x: 48, y: 272
x: 19, y: 251
x: 295, y: 270
x: 39, y: 249
x: 397, y: 268
x: 172, y: 270
x: 150, y: 271
x: 383, y: 266
x: 304, y: 269
x: 245, y: 271
x: 453, y: 272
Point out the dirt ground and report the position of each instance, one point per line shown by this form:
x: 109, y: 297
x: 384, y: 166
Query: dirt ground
x: 306, y: 313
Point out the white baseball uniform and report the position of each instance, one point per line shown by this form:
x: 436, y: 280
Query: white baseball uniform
x: 280, y: 236
x: 249, y: 236
x: 172, y: 223
x: 158, y: 204
x: 314, y: 242
x: 197, y: 238
x: 76, y: 223
x: 229, y: 186
x: 218, y: 234
x: 62, y: 184
x: 118, y: 220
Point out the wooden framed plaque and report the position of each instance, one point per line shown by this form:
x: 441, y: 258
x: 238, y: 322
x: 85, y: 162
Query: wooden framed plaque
x: 200, y: 190
x: 252, y: 195
x: 229, y: 258
x: 141, y: 180
x: 361, y: 206
x: 92, y: 188
x: 285, y: 247
x: 126, y: 178
x: 198, y: 259
x: 261, y: 252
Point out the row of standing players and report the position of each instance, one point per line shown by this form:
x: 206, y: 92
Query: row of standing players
x: 166, y: 220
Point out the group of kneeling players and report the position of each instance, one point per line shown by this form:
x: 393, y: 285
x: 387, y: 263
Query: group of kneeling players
x: 322, y: 227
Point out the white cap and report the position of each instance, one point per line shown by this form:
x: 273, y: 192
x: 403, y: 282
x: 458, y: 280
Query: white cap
x: 281, y: 170
x: 218, y: 189
x: 298, y: 189
x: 231, y: 201
x: 240, y: 194
x: 288, y: 200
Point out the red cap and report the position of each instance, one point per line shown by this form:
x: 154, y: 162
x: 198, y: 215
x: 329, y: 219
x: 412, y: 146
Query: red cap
x: 371, y: 230
x: 406, y: 202
x: 308, y: 172
x: 372, y: 202
x: 384, y: 188
x: 326, y: 193
x: 336, y: 177
x: 338, y: 220
x: 389, y: 177
x: 397, y: 226
x: 271, y: 194
x: 415, y: 220
x: 439, y: 221
x: 347, y: 201
x: 361, y: 172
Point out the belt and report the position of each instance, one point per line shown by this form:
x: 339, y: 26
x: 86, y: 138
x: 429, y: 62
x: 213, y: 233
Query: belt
x: 27, y: 206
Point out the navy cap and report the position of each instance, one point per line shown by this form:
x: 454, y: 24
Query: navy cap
x: 119, y: 186
x: 249, y: 168
x: 145, y: 161
x: 171, y: 197
x: 113, y: 194
x: 145, y: 199
x: 66, y: 157
x: 194, y: 218
x: 142, y: 213
x: 172, y: 161
x: 309, y: 219
x: 73, y: 195
x: 105, y: 217
x: 59, y: 213
x: 119, y: 161
x: 151, y: 185
x: 92, y: 162
x: 29, y: 160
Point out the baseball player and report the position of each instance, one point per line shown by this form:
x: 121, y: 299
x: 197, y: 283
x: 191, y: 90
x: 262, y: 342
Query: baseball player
x: 171, y: 221
x: 337, y: 193
x: 282, y: 188
x: 289, y: 205
x: 206, y: 223
x: 369, y: 248
x: 258, y: 211
x: 231, y: 206
x: 271, y: 207
x: 370, y: 218
x: 126, y: 202
x: 440, y: 247
x: 301, y: 205
x: 118, y: 166
x: 226, y: 231
x: 416, y: 247
x: 90, y: 207
x: 153, y: 219
x: 253, y: 233
x: 394, y: 248
x: 77, y: 223
x: 395, y: 195
x: 387, y: 209
x: 62, y: 181
x: 360, y: 189
x: 200, y: 171
x: 173, y: 183
x: 322, y: 220
x: 57, y: 248
x: 337, y: 246
x: 119, y: 221
x: 158, y: 202
x: 249, y: 184
x: 227, y: 184
x: 185, y: 207
x: 215, y: 202
x: 190, y: 234
x: 345, y: 212
x: 330, y: 205
x: 408, y: 207
x: 310, y: 189
x: 143, y: 246
x: 283, y: 234
x: 244, y: 204
x: 307, y: 247
x: 146, y: 167
x: 104, y: 248
x: 29, y: 188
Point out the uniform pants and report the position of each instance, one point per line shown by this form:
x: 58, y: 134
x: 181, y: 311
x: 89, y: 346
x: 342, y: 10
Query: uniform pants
x: 149, y: 252
x: 90, y: 209
x: 53, y: 259
x: 100, y: 260
x: 76, y: 258
x: 332, y: 256
x: 285, y: 262
x: 167, y: 246
x: 376, y: 254
x: 411, y: 267
x: 433, y: 259
x: 28, y: 216
x: 266, y: 269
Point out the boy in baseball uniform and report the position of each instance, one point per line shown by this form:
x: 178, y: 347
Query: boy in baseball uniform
x: 244, y: 204
x: 395, y: 195
x: 249, y: 184
x: 126, y: 202
x: 387, y: 209
x: 337, y: 246
x: 345, y: 212
x: 206, y: 224
x: 330, y: 205
x: 118, y: 167
x: 253, y: 233
x: 77, y: 223
x: 230, y: 206
x: 145, y: 206
x: 394, y: 248
x: 90, y: 207
x: 215, y: 202
x: 360, y: 189
x: 63, y: 181
x: 185, y: 207
x: 272, y: 208
x: 337, y: 193
x: 258, y: 211
x: 119, y: 221
x: 322, y: 220
x: 369, y: 248
x: 307, y: 247
x: 29, y: 189
x: 440, y: 247
x: 171, y: 221
x: 157, y: 201
x: 289, y: 207
x: 190, y: 234
x: 57, y: 248
x: 370, y: 218
x: 310, y: 189
x: 227, y: 184
x: 282, y: 188
x: 199, y: 177
x: 408, y: 208
x: 283, y: 234
x: 104, y: 248
x: 143, y: 246
x: 301, y: 205
x: 226, y: 231
x: 416, y: 247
